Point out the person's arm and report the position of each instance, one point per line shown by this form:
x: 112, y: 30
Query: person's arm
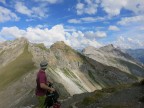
x: 49, y: 81
x: 44, y: 86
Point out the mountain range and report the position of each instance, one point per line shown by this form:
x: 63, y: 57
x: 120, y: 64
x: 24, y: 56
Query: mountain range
x: 72, y: 72
x: 111, y: 56
x: 138, y: 54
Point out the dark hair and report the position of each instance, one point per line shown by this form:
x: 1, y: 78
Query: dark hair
x: 43, y: 69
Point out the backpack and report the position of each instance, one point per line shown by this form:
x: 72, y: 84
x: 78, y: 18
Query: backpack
x: 56, y: 105
x: 52, y: 100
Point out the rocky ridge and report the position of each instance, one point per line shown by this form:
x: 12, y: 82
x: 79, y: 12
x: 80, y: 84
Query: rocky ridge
x: 71, y: 71
x: 111, y: 56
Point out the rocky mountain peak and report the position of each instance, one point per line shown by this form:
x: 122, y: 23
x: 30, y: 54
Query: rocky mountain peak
x: 13, y: 43
x: 88, y: 49
x: 60, y: 45
x: 21, y: 40
x: 109, y: 47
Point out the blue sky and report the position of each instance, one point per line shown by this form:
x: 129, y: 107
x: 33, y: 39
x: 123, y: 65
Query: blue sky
x: 79, y: 23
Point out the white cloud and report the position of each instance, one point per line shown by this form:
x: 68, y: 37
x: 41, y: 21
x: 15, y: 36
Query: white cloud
x: 135, y: 42
x: 130, y: 42
x: 30, y: 19
x: 40, y: 12
x: 101, y: 34
x: 3, y: 1
x: 12, y: 32
x: 7, y: 15
x: 130, y: 39
x: 92, y: 19
x: 88, y: 7
x: 80, y: 7
x: 2, y: 39
x: 114, y: 7
x: 130, y: 20
x: 21, y: 8
x: 142, y: 28
x: 47, y: 36
x: 137, y: 6
x: 86, y: 19
x: 37, y: 12
x: 113, y: 28
x: 49, y: 1
x: 98, y: 34
x: 70, y: 29
x: 111, y: 7
x: 78, y: 40
x: 121, y: 42
x: 38, y: 34
x: 75, y: 21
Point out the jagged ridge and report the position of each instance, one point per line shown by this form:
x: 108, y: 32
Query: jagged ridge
x: 76, y: 72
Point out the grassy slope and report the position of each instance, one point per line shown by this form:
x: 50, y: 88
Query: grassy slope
x: 103, y: 98
x: 14, y: 70
x: 41, y: 46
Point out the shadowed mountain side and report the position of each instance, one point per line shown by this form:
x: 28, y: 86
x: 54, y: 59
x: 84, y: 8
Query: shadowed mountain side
x: 111, y: 56
x: 107, y: 76
x: 138, y: 54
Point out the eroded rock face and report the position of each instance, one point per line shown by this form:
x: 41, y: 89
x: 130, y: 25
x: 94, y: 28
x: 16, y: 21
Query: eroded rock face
x: 71, y: 72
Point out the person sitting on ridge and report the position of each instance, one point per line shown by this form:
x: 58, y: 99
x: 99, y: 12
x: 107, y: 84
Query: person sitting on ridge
x: 42, y: 84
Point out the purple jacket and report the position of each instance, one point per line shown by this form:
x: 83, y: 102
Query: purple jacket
x: 41, y: 78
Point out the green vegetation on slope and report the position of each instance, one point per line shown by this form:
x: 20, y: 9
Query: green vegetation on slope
x: 73, y: 77
x: 91, y: 76
x: 14, y: 70
x: 91, y: 99
x: 41, y: 46
x: 68, y: 73
x: 98, y: 94
x: 1, y: 53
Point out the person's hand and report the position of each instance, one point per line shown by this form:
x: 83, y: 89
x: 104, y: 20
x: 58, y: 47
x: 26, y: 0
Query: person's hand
x: 52, y: 90
x: 51, y: 82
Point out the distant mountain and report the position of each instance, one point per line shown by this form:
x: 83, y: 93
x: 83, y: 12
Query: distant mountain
x: 111, y: 56
x: 71, y: 71
x: 138, y: 54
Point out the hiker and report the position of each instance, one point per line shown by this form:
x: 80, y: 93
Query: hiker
x: 42, y: 84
